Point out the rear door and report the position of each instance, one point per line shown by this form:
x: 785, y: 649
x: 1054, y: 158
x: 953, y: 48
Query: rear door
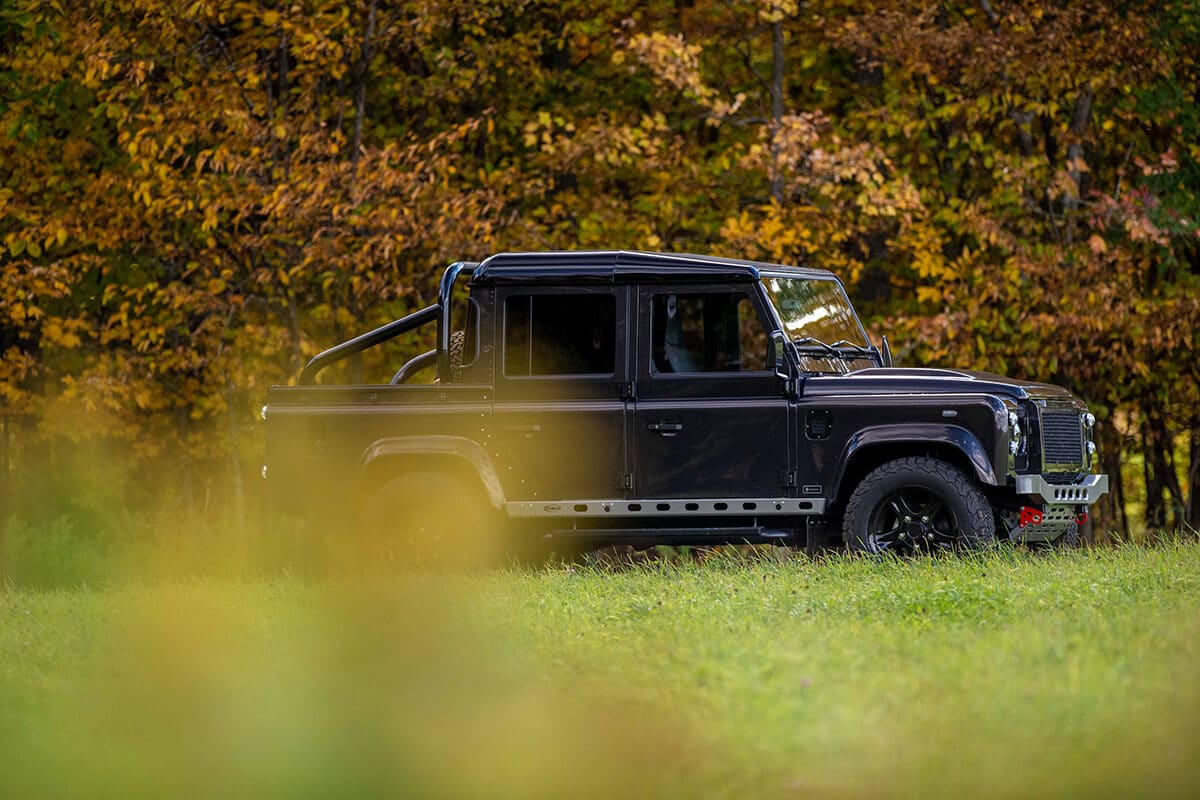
x: 711, y: 419
x: 560, y: 407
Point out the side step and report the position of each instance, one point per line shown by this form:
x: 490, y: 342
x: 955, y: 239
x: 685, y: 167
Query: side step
x: 674, y: 536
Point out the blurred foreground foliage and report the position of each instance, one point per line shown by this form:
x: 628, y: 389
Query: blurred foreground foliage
x: 993, y: 676
x: 196, y: 197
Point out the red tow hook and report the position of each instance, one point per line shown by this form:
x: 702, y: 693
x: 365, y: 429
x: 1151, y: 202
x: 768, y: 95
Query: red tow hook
x: 1030, y: 516
x: 1081, y: 517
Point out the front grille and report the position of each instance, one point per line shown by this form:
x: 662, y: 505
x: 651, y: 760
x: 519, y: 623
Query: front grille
x: 1062, y: 438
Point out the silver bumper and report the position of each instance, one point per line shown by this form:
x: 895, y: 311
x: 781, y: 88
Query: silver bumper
x: 1083, y: 493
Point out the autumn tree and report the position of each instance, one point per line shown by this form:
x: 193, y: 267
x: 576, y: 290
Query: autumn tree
x: 200, y: 196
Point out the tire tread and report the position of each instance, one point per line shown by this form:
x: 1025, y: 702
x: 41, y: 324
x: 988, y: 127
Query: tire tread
x: 978, y: 530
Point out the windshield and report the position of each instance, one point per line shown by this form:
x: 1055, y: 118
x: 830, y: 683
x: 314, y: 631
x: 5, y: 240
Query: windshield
x: 815, y: 313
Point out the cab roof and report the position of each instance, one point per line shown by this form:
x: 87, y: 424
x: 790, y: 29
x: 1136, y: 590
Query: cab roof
x: 627, y: 266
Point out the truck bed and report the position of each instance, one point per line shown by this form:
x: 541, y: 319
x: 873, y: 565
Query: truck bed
x: 321, y: 437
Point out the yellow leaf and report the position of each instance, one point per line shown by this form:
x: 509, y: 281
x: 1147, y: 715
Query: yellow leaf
x: 929, y: 294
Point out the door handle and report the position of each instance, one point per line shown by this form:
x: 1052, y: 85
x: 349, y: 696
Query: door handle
x: 524, y: 428
x: 664, y: 427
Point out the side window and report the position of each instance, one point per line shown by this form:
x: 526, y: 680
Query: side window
x: 710, y: 332
x: 560, y: 334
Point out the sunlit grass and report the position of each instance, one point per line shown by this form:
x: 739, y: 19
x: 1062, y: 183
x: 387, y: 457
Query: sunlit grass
x: 1006, y: 675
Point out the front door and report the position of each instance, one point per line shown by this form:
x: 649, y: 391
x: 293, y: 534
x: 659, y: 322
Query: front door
x: 560, y: 408
x: 711, y: 419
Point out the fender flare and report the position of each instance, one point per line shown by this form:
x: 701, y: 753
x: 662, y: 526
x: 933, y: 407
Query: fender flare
x: 921, y: 433
x: 471, y: 453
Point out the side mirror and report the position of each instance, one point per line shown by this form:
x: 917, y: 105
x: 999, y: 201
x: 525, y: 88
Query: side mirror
x: 886, y: 352
x: 779, y: 349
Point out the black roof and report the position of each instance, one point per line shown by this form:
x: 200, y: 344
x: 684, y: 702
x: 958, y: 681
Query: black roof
x: 621, y: 266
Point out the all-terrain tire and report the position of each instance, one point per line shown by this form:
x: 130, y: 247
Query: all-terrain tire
x: 1067, y: 540
x: 962, y: 520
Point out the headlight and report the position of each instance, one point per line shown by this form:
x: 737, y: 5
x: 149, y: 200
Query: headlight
x: 1015, y: 444
x: 1014, y: 427
x: 1089, y: 420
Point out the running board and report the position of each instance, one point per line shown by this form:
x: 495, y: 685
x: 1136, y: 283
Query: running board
x: 674, y: 536
x: 671, y: 507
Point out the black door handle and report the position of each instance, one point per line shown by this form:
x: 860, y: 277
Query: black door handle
x: 664, y: 427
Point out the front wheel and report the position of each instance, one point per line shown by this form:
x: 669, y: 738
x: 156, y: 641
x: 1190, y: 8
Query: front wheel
x: 918, y: 505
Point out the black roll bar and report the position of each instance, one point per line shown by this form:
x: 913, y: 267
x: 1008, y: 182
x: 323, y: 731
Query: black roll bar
x: 443, y: 331
x: 413, y: 366
x: 439, y: 311
x: 369, y: 339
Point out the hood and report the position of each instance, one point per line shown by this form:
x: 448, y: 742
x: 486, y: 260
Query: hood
x: 904, y: 380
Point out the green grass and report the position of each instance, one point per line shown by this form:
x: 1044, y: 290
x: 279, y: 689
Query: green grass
x: 1073, y: 674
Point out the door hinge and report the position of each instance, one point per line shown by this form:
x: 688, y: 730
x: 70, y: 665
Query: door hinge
x: 625, y: 480
x: 787, y: 479
x: 627, y: 391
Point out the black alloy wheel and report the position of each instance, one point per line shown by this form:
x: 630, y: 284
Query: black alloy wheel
x: 910, y: 520
x: 918, y: 505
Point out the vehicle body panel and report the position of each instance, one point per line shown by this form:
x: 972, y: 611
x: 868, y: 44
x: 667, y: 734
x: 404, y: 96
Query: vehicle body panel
x: 756, y: 452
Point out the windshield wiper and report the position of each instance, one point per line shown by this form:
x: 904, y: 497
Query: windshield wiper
x: 810, y: 343
x: 843, y: 349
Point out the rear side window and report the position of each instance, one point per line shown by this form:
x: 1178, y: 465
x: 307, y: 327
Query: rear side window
x: 710, y: 332
x: 560, y: 334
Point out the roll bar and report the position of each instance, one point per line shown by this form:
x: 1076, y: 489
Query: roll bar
x: 438, y: 311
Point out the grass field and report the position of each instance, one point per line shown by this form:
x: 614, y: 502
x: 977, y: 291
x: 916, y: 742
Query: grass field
x: 1060, y: 675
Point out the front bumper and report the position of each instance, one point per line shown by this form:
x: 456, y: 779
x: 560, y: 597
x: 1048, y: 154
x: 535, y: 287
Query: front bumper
x: 1084, y: 493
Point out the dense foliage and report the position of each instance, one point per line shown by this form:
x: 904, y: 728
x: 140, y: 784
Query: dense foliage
x: 198, y: 196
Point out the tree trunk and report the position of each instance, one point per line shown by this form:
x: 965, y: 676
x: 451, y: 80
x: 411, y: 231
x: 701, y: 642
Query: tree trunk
x: 187, y: 493
x: 239, y: 497
x: 776, y: 108
x: 4, y: 470
x: 1164, y: 453
x: 5, y: 491
x: 1075, y: 160
x: 1156, y: 510
x: 1192, y: 515
x: 360, y: 104
x: 296, y: 360
x: 1112, y: 515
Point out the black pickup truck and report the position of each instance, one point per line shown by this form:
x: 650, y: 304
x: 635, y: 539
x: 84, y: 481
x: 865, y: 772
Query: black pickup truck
x: 594, y: 398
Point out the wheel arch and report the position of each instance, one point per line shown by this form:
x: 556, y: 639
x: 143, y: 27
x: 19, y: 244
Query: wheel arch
x: 873, y: 447
x: 458, y: 455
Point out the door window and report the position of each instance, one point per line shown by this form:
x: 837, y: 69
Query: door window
x: 560, y: 334
x: 707, y: 332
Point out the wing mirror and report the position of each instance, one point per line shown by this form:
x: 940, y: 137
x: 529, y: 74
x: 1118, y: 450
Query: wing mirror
x: 778, y: 348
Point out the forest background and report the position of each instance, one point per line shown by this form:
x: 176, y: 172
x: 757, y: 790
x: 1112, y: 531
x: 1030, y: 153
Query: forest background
x: 196, y: 197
